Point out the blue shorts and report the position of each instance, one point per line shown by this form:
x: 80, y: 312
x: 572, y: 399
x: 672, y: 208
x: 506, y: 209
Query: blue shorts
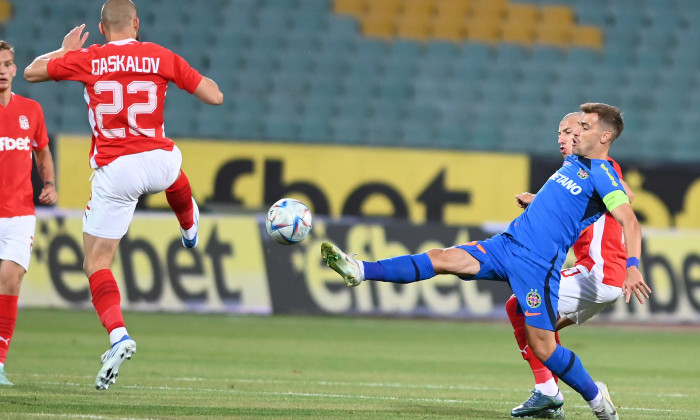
x: 533, y: 280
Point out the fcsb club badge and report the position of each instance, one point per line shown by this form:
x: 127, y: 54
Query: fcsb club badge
x: 533, y: 299
x: 23, y: 122
x: 582, y: 174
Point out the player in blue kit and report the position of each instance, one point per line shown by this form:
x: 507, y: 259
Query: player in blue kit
x: 530, y: 252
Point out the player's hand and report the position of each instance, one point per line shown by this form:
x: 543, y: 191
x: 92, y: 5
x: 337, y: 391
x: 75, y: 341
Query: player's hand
x: 48, y: 195
x: 75, y: 39
x: 634, y: 283
x: 524, y: 199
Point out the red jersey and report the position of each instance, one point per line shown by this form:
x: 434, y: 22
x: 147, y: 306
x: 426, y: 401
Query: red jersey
x: 601, y: 248
x: 125, y: 83
x: 22, y: 130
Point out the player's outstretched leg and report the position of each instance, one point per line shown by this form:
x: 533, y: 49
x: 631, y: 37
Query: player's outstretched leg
x: 3, y: 379
x: 402, y: 269
x: 538, y: 402
x: 606, y: 409
x: 112, y: 359
x: 343, y: 264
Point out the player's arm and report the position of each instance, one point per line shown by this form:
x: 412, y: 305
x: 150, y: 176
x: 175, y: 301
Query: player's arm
x: 37, y: 71
x: 44, y: 164
x: 208, y: 92
x: 628, y: 190
x: 634, y: 282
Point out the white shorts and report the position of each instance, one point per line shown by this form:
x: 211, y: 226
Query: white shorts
x: 581, y: 295
x: 116, y: 188
x: 17, y: 239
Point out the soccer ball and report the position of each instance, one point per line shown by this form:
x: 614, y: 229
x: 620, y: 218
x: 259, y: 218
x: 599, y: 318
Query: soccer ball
x: 288, y: 221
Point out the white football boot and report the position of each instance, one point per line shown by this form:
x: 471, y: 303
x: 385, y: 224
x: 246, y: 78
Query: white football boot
x: 3, y: 379
x: 112, y: 359
x: 605, y: 410
x: 341, y: 263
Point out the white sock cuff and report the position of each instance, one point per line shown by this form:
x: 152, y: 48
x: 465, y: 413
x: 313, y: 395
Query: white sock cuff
x: 595, y: 402
x: 116, y: 334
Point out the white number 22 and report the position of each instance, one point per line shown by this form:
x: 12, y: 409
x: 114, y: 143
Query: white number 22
x: 117, y: 105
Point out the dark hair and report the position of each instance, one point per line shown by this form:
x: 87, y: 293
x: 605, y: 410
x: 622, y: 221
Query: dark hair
x: 5, y: 46
x: 608, y: 115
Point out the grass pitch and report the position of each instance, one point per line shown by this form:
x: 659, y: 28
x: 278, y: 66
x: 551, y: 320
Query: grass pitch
x: 292, y: 367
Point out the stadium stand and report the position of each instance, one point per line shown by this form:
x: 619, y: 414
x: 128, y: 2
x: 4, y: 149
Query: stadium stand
x: 491, y: 75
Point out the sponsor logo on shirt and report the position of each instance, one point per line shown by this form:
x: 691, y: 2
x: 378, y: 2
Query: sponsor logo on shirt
x: 605, y: 168
x: 23, y: 122
x: 126, y: 63
x: 8, y: 143
x: 567, y: 183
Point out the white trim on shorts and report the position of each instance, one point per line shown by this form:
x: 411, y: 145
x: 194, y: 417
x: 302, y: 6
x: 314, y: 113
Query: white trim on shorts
x: 582, y: 295
x: 17, y: 239
x: 117, y: 186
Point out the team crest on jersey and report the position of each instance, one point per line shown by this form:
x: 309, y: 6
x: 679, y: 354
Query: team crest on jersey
x: 24, y: 122
x: 533, y: 299
x: 582, y: 174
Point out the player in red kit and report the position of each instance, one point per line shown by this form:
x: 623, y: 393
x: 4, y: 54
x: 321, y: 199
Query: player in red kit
x: 125, y: 83
x: 592, y: 284
x: 22, y: 133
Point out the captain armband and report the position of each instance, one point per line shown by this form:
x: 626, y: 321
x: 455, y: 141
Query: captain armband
x: 615, y: 199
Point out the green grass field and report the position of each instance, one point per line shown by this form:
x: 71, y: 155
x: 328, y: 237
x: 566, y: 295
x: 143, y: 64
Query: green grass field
x: 293, y: 367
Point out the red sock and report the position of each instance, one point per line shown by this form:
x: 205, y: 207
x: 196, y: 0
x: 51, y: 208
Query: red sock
x: 106, y: 299
x: 8, y: 317
x: 517, y: 320
x: 179, y: 196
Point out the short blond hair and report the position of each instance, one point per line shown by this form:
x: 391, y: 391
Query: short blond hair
x: 5, y: 46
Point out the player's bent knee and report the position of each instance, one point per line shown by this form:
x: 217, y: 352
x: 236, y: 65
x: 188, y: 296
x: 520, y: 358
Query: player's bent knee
x: 543, y: 350
x: 453, y: 261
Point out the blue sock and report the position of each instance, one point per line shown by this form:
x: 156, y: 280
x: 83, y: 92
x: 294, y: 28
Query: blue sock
x: 403, y: 269
x: 568, y: 367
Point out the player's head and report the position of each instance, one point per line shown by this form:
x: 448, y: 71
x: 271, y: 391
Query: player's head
x: 8, y: 69
x: 598, y: 126
x: 119, y: 20
x: 566, y: 132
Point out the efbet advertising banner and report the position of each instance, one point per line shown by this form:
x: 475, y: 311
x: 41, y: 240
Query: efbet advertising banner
x: 225, y: 273
x: 237, y: 268
x: 457, y: 188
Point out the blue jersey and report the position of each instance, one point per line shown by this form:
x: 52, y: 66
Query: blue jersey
x: 579, y: 193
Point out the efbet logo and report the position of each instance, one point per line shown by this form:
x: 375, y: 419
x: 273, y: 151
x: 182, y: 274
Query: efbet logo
x: 612, y: 178
x: 582, y: 174
x: 8, y: 143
